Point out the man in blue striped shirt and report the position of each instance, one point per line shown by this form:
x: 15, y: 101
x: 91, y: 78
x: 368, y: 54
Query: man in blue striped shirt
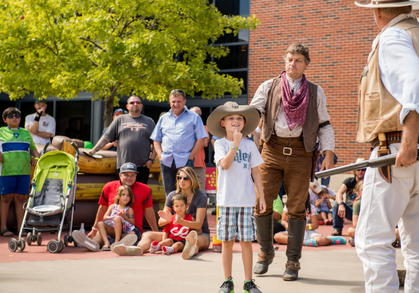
x: 178, y: 137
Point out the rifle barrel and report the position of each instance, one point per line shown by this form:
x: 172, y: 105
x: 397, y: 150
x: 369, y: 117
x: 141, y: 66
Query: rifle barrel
x: 373, y: 163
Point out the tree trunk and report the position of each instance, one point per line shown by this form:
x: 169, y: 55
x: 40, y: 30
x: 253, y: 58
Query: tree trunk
x: 107, y: 117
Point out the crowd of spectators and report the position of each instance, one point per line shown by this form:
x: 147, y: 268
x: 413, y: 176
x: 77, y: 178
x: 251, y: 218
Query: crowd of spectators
x: 178, y: 139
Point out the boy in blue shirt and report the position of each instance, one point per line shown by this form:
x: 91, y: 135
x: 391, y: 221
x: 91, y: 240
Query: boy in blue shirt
x: 16, y: 147
x: 237, y: 160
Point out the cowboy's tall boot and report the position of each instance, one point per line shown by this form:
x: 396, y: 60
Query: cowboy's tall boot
x: 265, y: 240
x: 296, y: 230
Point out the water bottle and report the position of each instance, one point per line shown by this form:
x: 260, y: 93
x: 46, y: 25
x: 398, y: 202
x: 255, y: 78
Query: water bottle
x: 83, y: 231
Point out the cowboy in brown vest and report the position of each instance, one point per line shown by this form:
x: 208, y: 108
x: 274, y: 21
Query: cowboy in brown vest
x: 295, y: 115
x: 388, y: 118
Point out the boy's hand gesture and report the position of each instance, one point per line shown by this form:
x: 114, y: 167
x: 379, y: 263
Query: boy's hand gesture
x: 262, y: 205
x: 237, y: 137
x: 176, y: 221
x: 165, y: 215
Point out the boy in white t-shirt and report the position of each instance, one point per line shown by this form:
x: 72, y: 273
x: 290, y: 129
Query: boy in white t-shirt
x: 237, y: 160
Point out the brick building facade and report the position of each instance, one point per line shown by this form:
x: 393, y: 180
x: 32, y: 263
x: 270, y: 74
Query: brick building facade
x: 339, y: 35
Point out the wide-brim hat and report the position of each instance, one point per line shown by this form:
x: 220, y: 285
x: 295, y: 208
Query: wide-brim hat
x: 386, y: 3
x: 250, y: 114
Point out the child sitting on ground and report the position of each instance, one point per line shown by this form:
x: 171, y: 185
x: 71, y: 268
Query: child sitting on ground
x: 237, y: 161
x: 323, y: 206
x: 174, y: 234
x: 119, y: 217
x: 311, y: 237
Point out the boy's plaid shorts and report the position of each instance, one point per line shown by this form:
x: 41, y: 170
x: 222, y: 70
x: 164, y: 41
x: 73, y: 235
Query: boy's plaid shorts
x: 232, y: 220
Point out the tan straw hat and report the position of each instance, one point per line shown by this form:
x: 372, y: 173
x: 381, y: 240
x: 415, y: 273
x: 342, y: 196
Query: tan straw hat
x: 249, y: 113
x: 387, y: 3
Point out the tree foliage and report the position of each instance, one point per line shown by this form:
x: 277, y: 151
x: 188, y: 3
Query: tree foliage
x: 114, y: 48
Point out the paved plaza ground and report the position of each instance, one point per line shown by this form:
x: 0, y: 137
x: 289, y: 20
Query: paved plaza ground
x: 335, y: 268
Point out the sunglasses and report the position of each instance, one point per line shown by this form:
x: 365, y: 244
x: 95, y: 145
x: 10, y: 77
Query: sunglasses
x: 135, y: 103
x: 13, y: 116
x: 186, y: 178
x: 363, y: 170
x: 178, y: 91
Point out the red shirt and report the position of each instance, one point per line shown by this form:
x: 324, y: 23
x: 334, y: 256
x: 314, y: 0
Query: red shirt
x: 177, y: 232
x: 200, y: 156
x: 142, y: 199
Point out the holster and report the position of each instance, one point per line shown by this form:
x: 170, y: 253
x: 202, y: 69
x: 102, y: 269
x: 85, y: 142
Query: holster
x: 384, y: 150
x: 260, y: 147
x: 385, y: 171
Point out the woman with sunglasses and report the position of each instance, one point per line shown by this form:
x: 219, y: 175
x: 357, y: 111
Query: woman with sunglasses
x: 198, y: 239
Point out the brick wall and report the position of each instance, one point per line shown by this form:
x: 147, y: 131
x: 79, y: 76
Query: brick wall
x: 339, y: 35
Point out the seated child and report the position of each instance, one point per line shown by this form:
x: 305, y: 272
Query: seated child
x: 277, y: 215
x: 119, y: 217
x: 311, y: 237
x: 174, y: 234
x: 323, y: 206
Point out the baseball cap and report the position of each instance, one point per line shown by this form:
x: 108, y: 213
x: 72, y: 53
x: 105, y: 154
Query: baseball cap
x: 315, y: 186
x: 128, y: 167
x: 119, y: 110
x: 37, y: 101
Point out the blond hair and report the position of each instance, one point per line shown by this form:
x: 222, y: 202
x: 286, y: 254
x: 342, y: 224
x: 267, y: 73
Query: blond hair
x: 192, y: 176
x: 358, y: 187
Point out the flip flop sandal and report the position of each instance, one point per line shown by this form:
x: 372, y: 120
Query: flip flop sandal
x: 6, y: 231
x: 106, y: 247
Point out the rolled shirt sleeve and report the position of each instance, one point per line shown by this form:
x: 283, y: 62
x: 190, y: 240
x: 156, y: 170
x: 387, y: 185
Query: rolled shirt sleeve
x: 178, y: 136
x: 399, y: 68
x: 325, y: 134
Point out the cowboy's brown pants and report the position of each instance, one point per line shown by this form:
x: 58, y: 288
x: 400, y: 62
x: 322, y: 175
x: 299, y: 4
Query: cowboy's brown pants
x: 295, y: 170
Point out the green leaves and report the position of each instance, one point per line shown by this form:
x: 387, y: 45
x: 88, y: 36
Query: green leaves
x: 60, y: 48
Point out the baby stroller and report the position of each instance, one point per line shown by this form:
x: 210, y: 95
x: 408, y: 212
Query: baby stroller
x: 51, y: 199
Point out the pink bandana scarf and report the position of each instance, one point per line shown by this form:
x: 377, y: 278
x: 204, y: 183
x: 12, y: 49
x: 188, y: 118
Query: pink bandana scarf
x: 295, y: 107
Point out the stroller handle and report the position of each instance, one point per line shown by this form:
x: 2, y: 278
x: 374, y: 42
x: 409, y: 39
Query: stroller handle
x: 44, y: 150
x: 77, y: 150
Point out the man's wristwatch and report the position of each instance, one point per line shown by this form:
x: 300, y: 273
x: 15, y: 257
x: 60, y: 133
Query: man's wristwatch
x: 150, y: 159
x: 341, y: 203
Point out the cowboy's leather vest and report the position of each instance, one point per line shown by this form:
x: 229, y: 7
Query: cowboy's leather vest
x: 378, y: 110
x: 311, y: 125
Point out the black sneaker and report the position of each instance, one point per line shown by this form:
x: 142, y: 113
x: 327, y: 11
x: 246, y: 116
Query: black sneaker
x: 227, y: 286
x: 250, y: 287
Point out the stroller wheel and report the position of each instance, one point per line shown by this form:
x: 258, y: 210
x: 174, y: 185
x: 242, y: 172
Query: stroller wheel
x: 13, y: 245
x: 39, y: 238
x: 29, y: 238
x: 60, y: 246
x: 66, y: 239
x: 71, y: 239
x: 53, y: 246
x: 21, y: 245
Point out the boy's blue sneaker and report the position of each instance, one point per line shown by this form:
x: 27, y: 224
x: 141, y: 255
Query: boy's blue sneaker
x: 250, y: 287
x: 227, y: 286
